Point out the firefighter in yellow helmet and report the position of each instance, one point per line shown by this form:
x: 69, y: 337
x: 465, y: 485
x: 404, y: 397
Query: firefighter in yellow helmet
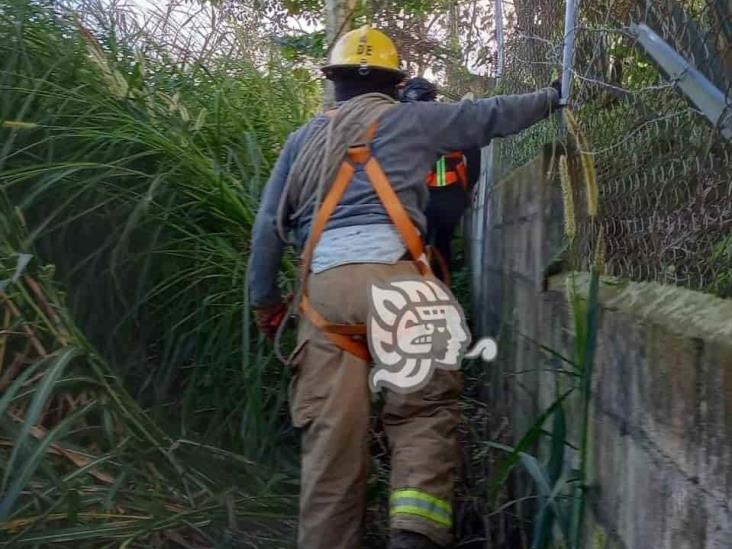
x: 348, y: 191
x: 365, y: 49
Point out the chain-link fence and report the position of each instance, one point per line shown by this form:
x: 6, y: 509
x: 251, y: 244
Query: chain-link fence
x: 663, y: 169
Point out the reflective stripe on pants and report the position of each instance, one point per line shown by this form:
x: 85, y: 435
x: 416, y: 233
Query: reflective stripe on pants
x: 415, y: 502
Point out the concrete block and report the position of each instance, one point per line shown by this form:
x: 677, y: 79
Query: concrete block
x: 489, y: 312
x: 718, y: 524
x: 687, y: 516
x: 669, y: 401
x: 715, y: 421
x: 598, y: 536
x: 529, y: 252
x: 494, y: 208
x: 555, y: 322
x: 512, y: 244
x: 644, y: 518
x: 493, y: 248
x: 509, y: 197
x: 620, y: 359
x: 607, y: 472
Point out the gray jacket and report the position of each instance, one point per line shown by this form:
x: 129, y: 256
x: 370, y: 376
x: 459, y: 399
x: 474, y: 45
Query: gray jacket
x: 409, y: 139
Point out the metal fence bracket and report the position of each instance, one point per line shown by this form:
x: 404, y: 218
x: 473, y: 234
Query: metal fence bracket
x: 706, y: 96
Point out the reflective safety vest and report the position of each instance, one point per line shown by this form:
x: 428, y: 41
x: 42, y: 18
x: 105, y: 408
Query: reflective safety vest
x: 449, y: 169
x: 352, y: 337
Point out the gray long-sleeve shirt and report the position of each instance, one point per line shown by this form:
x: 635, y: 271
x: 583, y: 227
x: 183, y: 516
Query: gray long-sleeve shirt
x: 407, y: 143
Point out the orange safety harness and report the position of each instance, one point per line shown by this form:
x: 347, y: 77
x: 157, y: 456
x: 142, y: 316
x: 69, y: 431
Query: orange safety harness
x: 449, y: 169
x: 352, y: 337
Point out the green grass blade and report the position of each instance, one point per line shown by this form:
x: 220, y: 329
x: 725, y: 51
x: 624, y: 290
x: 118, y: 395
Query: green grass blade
x: 530, y: 437
x: 32, y: 461
x: 42, y: 393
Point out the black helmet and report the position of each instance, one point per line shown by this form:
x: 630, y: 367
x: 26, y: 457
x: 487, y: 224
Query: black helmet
x: 418, y: 89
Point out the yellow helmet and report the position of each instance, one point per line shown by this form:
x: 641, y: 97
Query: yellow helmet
x: 364, y: 48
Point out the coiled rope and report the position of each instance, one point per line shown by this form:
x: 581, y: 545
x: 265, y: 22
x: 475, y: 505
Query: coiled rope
x: 314, y: 170
x: 315, y: 167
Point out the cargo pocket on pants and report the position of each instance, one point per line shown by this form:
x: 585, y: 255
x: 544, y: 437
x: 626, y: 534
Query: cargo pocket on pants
x: 300, y: 394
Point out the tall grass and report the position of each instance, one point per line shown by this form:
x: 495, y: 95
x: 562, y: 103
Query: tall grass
x: 81, y: 461
x: 137, y: 178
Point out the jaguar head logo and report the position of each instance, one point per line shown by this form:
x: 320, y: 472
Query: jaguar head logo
x: 414, y: 326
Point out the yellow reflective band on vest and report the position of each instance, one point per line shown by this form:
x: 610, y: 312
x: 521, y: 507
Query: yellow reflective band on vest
x: 440, y: 172
x: 415, y: 502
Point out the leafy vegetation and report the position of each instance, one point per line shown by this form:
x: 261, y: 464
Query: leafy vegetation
x: 141, y: 400
x: 83, y: 462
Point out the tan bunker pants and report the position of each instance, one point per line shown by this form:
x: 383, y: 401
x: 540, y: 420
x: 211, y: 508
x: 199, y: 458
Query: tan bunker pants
x: 330, y: 401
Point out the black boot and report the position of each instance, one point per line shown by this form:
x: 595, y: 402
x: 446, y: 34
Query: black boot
x: 404, y: 539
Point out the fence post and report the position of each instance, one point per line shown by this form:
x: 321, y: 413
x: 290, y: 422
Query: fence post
x: 480, y: 208
x: 568, y: 54
x: 498, y: 14
x: 706, y: 96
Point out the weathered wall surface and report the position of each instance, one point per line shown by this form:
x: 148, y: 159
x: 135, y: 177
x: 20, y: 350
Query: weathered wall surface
x: 660, y: 472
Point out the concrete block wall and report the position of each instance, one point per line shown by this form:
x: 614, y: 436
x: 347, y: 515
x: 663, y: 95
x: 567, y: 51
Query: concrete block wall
x: 660, y: 474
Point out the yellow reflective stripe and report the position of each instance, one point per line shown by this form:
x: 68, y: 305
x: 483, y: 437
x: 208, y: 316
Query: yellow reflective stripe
x: 440, y: 172
x: 424, y: 513
x: 416, y: 502
x: 418, y: 494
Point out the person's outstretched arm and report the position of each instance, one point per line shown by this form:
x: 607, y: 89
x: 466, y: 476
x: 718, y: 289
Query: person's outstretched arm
x: 472, y: 124
x: 266, y: 246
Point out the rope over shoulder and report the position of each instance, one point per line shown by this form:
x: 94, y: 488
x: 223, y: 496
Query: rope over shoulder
x: 349, y: 337
x: 322, y: 153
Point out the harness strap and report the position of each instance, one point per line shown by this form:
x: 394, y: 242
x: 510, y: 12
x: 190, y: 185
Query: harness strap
x: 343, y: 177
x: 397, y: 213
x: 346, y: 342
x: 349, y: 336
x: 339, y: 334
